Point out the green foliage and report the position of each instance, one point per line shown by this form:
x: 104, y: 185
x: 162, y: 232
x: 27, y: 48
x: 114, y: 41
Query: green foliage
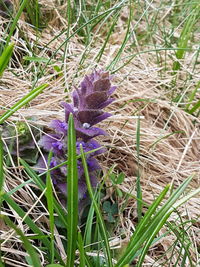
x: 5, y: 57
x: 144, y: 34
x: 111, y: 210
x: 72, y: 195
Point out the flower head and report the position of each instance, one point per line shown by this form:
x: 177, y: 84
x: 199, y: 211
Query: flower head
x: 87, y: 108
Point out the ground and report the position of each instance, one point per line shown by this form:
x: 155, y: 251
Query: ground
x: 153, y: 131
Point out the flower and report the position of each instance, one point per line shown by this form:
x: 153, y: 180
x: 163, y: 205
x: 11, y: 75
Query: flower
x: 87, y: 108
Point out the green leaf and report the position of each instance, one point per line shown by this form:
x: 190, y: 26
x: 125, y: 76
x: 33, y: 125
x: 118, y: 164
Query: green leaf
x: 54, y: 265
x: 5, y: 57
x: 72, y: 194
x: 97, y: 210
x: 37, y: 59
x: 41, y: 185
x: 120, y: 178
x: 16, y: 18
x: 106, y: 206
x: 150, y: 225
x: 50, y: 205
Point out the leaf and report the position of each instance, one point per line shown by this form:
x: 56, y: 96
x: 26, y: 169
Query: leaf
x: 54, y: 265
x: 114, y: 209
x: 72, y: 194
x: 5, y: 57
x: 120, y: 178
x: 107, y: 206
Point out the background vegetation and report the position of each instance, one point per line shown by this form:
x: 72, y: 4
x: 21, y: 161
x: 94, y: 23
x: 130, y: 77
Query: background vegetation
x: 138, y: 215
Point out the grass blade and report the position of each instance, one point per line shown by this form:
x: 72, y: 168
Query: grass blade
x: 5, y: 57
x: 138, y: 184
x: 1, y: 184
x: 81, y: 250
x: 41, y: 185
x: 50, y: 205
x: 72, y: 194
x: 29, y: 248
x: 22, y: 102
x: 1, y: 165
x: 97, y: 210
x: 14, y: 24
x: 30, y: 223
x: 147, y: 231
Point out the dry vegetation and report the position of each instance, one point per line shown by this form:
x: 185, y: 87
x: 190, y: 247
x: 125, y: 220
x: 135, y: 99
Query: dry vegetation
x: 169, y: 136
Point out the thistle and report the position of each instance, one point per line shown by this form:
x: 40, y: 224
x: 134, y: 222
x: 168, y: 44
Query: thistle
x: 87, y: 108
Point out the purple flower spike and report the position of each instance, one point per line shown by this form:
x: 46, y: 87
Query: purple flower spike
x: 87, y: 106
x: 53, y: 142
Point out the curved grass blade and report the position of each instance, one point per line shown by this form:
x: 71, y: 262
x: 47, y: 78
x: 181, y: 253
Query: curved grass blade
x: 41, y: 185
x: 50, y: 205
x: 81, y: 250
x: 1, y: 184
x: 97, y: 210
x: 5, y: 57
x: 14, y: 24
x: 26, y: 99
x: 30, y: 223
x: 72, y: 194
x: 147, y: 231
x: 29, y: 248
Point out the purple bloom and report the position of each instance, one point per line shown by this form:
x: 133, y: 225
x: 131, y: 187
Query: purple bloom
x: 53, y: 142
x: 88, y: 101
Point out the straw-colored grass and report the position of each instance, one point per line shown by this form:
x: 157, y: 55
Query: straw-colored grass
x: 169, y: 136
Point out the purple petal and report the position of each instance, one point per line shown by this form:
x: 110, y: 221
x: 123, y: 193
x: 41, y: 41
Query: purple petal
x: 90, y: 145
x: 111, y: 90
x: 86, y: 116
x: 93, y: 165
x: 41, y: 165
x: 75, y: 98
x: 68, y: 109
x: 102, y: 85
x: 82, y: 188
x: 59, y: 126
x: 63, y: 188
x: 87, y: 134
x: 49, y: 142
x: 100, y: 118
x: 86, y: 85
x: 106, y: 103
x: 96, y: 99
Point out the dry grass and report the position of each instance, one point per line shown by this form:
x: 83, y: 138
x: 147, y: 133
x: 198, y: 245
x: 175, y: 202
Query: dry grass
x: 170, y: 140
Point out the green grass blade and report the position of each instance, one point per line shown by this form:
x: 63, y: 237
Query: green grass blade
x: 50, y: 205
x: 29, y: 248
x: 41, y: 185
x: 126, y: 38
x: 148, y: 231
x: 1, y: 165
x: 88, y: 229
x: 138, y: 184
x: 194, y: 108
x: 97, y: 210
x: 5, y: 57
x: 14, y: 24
x: 81, y: 250
x: 1, y: 184
x: 145, y: 220
x: 30, y: 223
x: 72, y: 194
x: 25, y: 100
